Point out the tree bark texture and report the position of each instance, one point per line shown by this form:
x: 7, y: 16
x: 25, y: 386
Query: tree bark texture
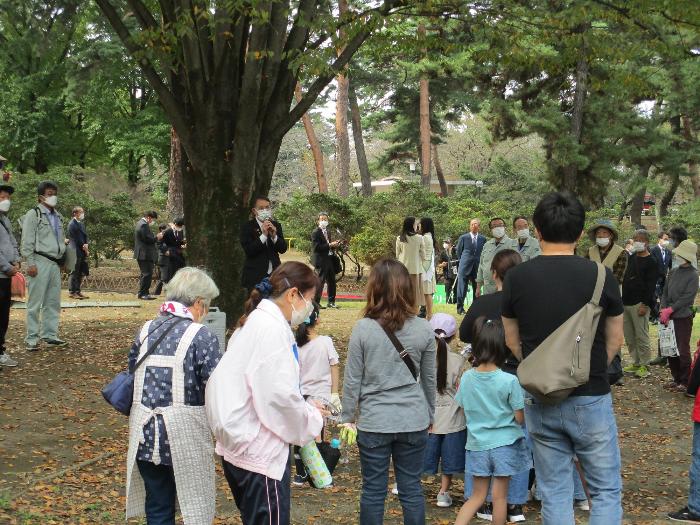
x: 571, y: 171
x: 670, y: 193
x: 178, y: 161
x: 424, y: 111
x: 360, y: 153
x: 227, y: 88
x: 692, y: 165
x: 315, y: 146
x: 342, y: 139
x: 438, y: 171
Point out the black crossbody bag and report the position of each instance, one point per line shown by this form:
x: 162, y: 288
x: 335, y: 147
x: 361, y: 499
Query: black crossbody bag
x: 401, y: 350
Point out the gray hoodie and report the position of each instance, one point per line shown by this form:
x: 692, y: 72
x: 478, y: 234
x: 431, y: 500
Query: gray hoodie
x: 9, y: 252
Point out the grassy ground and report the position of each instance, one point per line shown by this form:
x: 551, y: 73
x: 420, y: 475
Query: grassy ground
x: 63, y: 448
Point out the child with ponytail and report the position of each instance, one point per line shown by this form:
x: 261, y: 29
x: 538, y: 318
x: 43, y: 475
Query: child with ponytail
x: 448, y: 435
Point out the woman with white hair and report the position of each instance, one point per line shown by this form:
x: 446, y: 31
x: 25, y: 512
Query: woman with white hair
x: 171, y: 453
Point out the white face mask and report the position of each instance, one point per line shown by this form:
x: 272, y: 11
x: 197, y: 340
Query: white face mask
x: 639, y: 246
x: 264, y: 215
x: 446, y: 246
x: 81, y: 217
x: 602, y: 241
x: 298, y: 316
x: 678, y: 261
x: 323, y: 224
x: 665, y: 243
x: 498, y: 232
x: 5, y: 205
x: 51, y: 201
x: 523, y: 234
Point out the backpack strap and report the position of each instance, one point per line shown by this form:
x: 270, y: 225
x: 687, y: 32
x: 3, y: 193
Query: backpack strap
x: 600, y: 281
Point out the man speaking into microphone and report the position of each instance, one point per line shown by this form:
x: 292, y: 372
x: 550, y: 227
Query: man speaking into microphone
x: 262, y: 242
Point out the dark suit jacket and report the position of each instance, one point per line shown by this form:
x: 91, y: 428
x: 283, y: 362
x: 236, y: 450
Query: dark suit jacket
x: 663, y: 265
x: 172, y: 242
x: 144, y: 242
x: 259, y: 255
x: 77, y: 235
x: 469, y: 254
x: 320, y: 248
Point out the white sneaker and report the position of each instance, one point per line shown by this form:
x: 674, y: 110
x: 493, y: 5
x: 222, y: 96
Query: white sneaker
x: 444, y: 499
x: 6, y: 360
x: 582, y: 504
x: 395, y: 489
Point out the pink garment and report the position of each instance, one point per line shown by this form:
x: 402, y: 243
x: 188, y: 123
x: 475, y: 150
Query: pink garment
x: 253, y: 402
x: 315, y: 360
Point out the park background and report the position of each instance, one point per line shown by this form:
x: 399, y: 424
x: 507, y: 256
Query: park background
x: 381, y: 110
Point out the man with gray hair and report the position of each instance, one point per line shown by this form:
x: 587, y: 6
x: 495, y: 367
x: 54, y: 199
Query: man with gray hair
x: 638, y: 298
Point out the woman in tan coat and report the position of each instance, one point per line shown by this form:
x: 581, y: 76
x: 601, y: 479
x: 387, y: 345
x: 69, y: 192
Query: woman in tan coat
x: 410, y: 252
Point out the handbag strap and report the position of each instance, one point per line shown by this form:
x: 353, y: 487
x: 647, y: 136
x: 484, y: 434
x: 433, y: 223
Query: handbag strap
x: 158, y: 341
x: 401, y: 350
x: 598, y: 290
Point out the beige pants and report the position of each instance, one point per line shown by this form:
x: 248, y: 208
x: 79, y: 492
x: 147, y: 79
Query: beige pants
x: 637, y: 334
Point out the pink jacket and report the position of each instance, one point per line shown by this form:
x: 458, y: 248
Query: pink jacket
x: 253, y: 401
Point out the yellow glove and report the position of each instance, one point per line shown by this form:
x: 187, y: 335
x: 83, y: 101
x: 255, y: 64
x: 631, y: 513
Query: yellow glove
x: 348, y: 434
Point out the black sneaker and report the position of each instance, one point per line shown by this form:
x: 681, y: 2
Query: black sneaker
x: 515, y: 513
x: 299, y: 480
x: 332, y: 305
x: 658, y: 361
x: 684, y: 515
x: 485, y: 512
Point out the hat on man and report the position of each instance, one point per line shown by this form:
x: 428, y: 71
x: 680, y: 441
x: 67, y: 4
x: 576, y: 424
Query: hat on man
x: 444, y: 322
x: 603, y: 223
x: 688, y: 250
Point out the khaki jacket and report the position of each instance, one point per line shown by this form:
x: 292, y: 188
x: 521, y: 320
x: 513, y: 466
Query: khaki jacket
x: 411, y: 253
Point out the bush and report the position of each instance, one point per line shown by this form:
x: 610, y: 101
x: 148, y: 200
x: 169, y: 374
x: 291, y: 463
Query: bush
x: 688, y: 216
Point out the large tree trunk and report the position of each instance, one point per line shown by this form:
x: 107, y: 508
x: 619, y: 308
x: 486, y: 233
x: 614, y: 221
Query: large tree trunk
x: 637, y: 203
x: 571, y: 171
x: 132, y: 168
x: 692, y: 165
x: 315, y: 146
x: 439, y: 172
x: 342, y: 139
x: 175, y: 207
x: 668, y: 196
x: 356, y: 118
x: 424, y: 110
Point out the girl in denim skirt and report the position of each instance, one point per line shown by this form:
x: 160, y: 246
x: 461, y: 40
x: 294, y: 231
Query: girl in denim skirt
x: 493, y: 403
x: 448, y: 434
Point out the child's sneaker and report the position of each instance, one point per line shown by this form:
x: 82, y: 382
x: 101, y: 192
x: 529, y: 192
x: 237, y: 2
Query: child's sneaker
x: 485, y: 512
x: 444, y: 499
x: 299, y: 480
x: 515, y: 514
x: 582, y: 504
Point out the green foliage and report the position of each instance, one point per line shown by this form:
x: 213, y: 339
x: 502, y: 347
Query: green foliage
x: 687, y: 216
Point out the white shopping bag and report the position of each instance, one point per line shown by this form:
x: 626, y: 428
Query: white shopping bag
x: 667, y: 340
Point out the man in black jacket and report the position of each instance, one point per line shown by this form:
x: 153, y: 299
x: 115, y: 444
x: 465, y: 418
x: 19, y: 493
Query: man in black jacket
x: 322, y: 258
x: 263, y: 242
x: 78, y: 238
x: 172, y: 246
x: 145, y: 253
x: 663, y: 257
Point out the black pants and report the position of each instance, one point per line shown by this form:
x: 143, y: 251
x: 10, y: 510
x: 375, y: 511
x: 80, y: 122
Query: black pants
x: 161, y: 493
x: 260, y: 500
x: 450, y: 294
x: 76, y: 276
x: 326, y: 273
x: 146, y: 268
x: 5, y: 303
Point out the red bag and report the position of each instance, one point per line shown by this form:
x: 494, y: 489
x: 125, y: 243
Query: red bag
x: 18, y: 286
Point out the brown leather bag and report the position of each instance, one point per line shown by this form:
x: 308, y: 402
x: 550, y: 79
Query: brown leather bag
x: 562, y: 361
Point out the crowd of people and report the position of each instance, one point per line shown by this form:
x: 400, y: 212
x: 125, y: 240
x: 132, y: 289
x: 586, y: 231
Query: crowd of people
x: 408, y: 398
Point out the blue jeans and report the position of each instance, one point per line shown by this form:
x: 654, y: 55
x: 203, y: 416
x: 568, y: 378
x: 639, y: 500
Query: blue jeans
x: 406, y: 449
x: 583, y: 426
x: 694, y: 493
x: 161, y: 495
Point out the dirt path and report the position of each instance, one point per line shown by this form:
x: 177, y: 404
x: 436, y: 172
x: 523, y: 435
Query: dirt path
x: 53, y: 418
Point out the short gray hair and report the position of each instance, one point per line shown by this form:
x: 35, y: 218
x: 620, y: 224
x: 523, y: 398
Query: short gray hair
x: 190, y: 284
x: 644, y: 234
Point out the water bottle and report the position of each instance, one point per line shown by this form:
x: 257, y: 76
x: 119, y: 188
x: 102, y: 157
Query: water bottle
x: 335, y: 443
x: 315, y: 465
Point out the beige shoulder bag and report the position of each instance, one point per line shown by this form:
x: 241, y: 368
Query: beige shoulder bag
x: 562, y: 361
